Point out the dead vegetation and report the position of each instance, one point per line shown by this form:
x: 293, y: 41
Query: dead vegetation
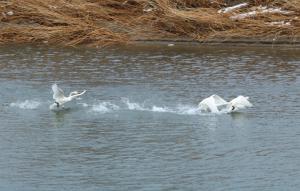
x: 106, y: 22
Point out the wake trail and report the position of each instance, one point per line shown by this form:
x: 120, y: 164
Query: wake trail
x: 122, y: 105
x: 127, y: 105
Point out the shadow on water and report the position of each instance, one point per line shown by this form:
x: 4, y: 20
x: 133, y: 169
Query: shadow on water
x: 238, y: 115
x: 60, y: 116
x: 240, y: 119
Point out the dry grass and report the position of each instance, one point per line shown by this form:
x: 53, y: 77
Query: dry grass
x: 105, y: 22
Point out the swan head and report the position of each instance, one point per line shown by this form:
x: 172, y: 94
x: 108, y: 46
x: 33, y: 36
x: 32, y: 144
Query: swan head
x: 231, y: 107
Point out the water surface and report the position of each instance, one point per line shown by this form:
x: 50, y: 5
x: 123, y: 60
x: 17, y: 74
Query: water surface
x: 138, y: 126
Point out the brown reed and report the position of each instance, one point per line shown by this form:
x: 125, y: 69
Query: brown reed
x: 106, y: 22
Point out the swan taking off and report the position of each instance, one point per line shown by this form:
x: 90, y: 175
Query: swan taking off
x: 60, y: 99
x: 216, y: 104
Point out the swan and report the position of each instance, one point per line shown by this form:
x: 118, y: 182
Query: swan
x: 240, y: 102
x: 216, y: 104
x: 60, y: 99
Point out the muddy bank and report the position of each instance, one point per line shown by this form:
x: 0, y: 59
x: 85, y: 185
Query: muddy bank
x: 107, y: 22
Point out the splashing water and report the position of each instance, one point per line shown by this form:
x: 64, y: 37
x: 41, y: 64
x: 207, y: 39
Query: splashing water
x: 83, y: 104
x: 27, y: 104
x: 105, y: 107
x: 108, y: 107
x: 133, y: 106
x: 188, y: 110
x: 180, y: 109
x: 160, y: 109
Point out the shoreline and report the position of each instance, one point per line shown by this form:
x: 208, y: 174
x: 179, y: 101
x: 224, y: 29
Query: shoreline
x: 182, y: 42
x: 231, y: 42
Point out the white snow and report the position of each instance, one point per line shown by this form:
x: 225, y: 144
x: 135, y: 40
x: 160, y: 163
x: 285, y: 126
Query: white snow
x: 229, y: 9
x: 260, y: 10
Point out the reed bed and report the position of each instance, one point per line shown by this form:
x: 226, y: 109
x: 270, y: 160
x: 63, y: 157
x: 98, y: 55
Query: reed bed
x: 107, y: 22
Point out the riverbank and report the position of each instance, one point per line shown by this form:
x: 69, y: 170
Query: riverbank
x: 102, y: 23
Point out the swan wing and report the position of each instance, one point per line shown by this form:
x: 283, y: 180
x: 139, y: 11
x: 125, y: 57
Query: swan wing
x: 57, y: 92
x: 218, y: 100
x: 241, y: 102
x: 209, y: 104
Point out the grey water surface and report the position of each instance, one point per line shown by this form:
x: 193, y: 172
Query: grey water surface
x: 138, y: 126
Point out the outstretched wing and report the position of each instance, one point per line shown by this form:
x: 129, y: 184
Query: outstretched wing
x: 57, y: 92
x: 209, y: 104
x: 218, y: 100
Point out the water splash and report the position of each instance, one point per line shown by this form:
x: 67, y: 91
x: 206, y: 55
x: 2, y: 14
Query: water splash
x: 83, y: 104
x: 27, y: 104
x: 179, y: 109
x: 127, y: 105
x: 132, y: 105
x: 105, y: 107
x: 160, y: 109
x: 188, y: 110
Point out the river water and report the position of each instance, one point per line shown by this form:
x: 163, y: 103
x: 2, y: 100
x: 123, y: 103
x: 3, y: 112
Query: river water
x: 138, y: 126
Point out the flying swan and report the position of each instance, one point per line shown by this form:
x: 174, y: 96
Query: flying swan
x: 60, y: 99
x: 216, y: 104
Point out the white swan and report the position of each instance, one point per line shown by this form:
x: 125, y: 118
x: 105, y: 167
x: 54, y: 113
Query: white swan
x: 240, y: 102
x: 60, y: 99
x: 216, y: 104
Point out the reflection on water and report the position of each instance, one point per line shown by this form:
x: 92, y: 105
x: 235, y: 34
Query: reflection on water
x: 60, y: 116
x: 138, y: 126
